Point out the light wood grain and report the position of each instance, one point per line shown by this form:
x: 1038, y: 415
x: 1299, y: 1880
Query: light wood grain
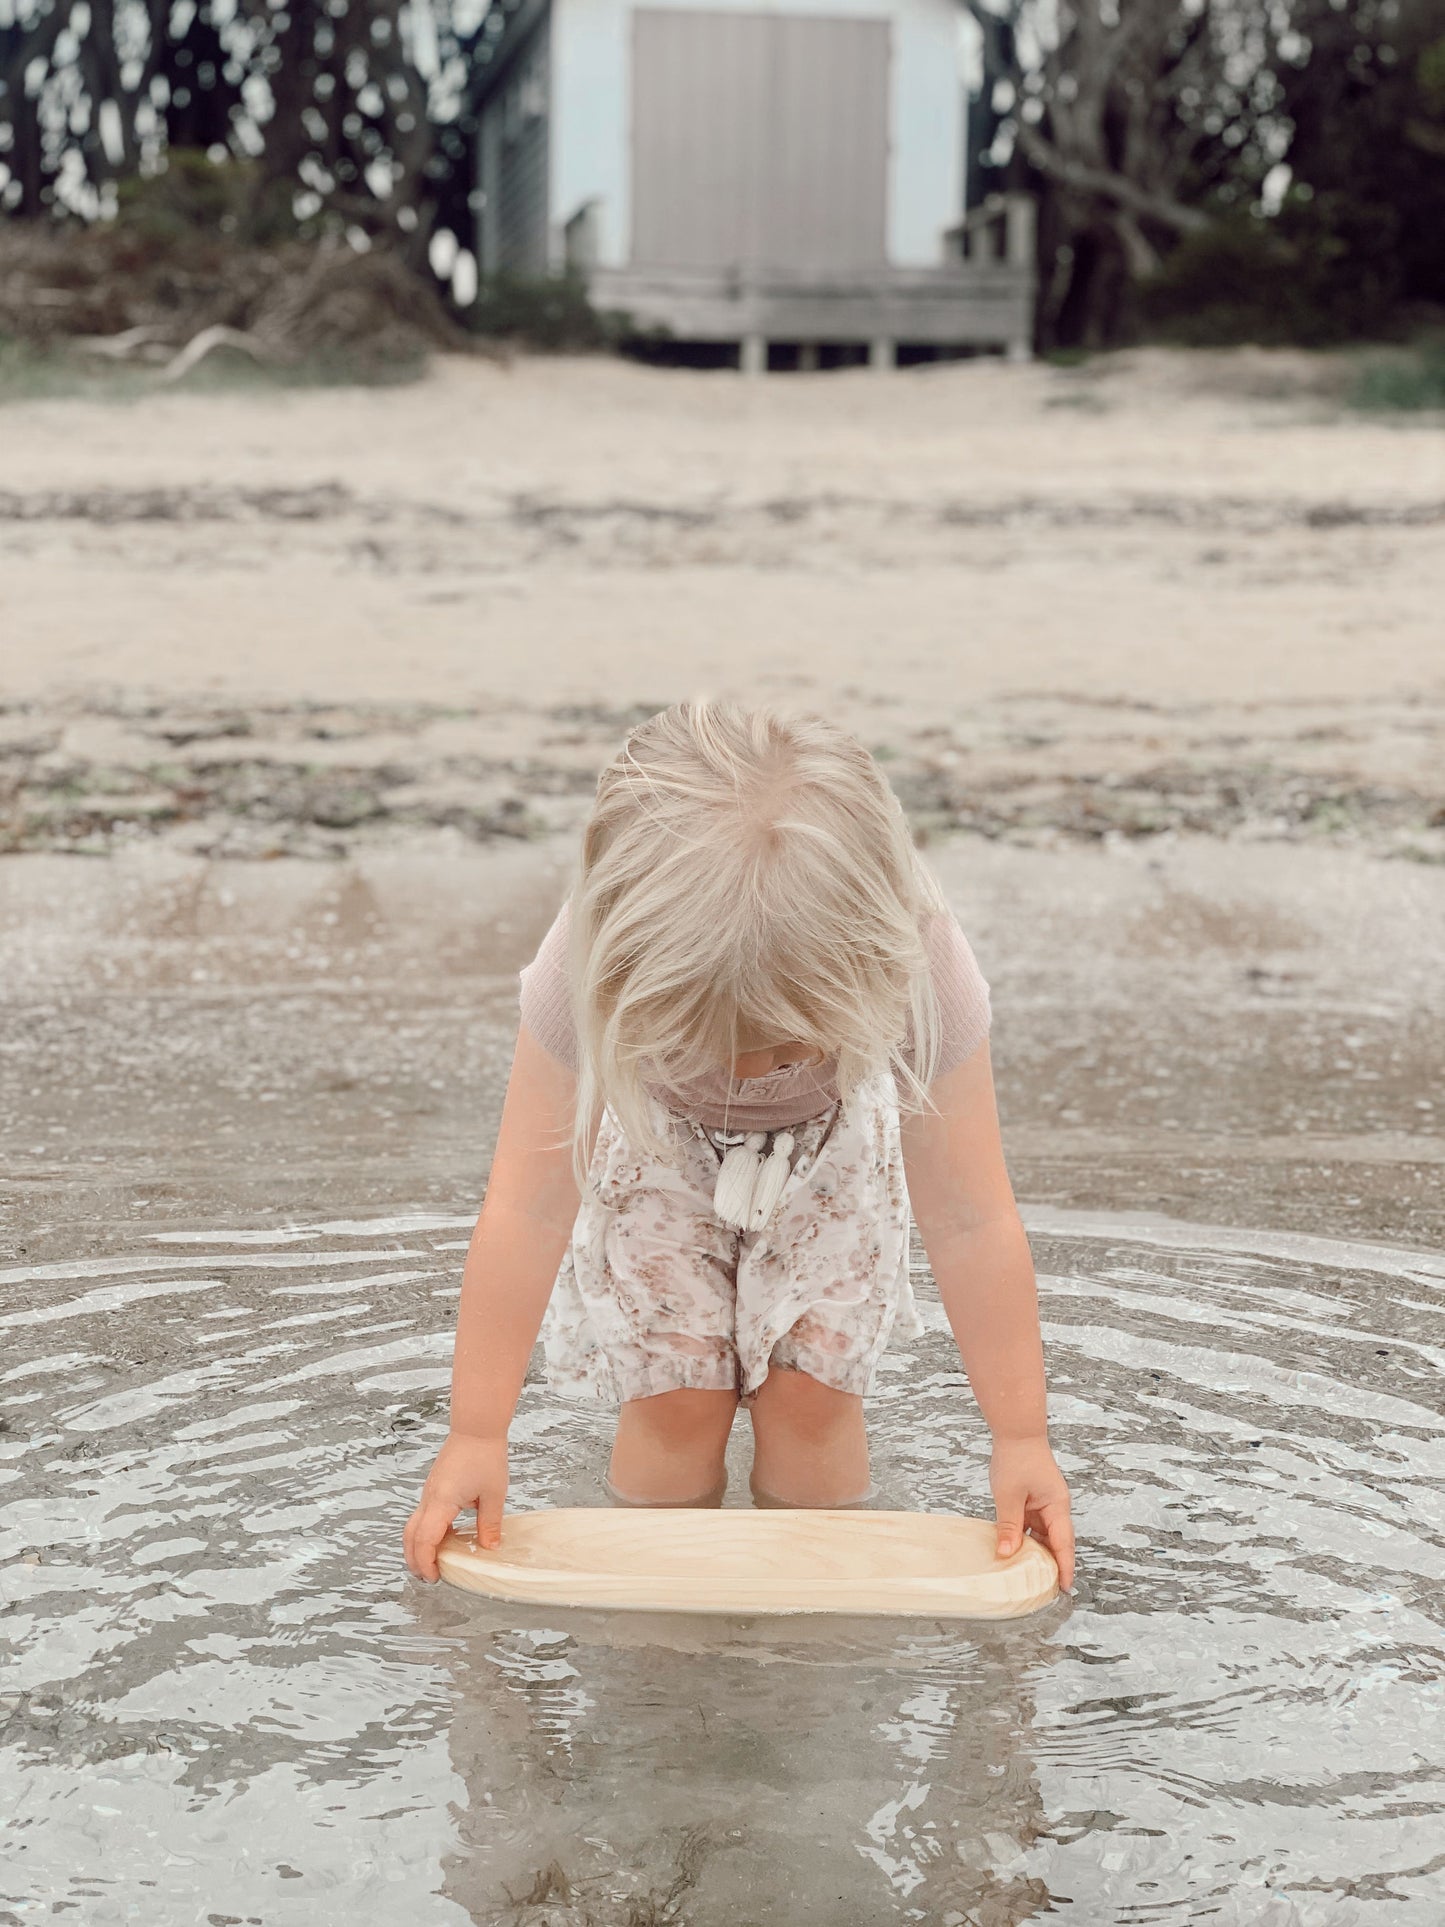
x: 741, y: 1561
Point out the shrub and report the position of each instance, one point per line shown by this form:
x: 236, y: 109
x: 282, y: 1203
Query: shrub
x: 194, y: 195
x: 552, y: 313
x: 1322, y: 271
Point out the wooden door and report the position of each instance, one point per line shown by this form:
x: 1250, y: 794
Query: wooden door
x: 758, y: 141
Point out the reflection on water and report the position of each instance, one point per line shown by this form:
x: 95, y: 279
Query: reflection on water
x: 225, y: 1702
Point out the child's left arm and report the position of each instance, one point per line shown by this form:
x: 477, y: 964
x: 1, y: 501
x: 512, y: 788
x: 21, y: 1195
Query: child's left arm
x: 964, y: 1203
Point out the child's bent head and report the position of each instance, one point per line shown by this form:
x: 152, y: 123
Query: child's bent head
x: 748, y: 880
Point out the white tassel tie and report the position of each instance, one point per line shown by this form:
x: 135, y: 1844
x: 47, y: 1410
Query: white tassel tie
x: 737, y: 1177
x: 770, y: 1182
x: 748, y: 1187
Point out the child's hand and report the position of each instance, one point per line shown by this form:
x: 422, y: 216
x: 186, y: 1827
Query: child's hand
x: 468, y: 1472
x: 1029, y: 1493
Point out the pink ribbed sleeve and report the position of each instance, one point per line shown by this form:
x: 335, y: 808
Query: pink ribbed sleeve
x: 963, y: 1000
x: 546, y: 999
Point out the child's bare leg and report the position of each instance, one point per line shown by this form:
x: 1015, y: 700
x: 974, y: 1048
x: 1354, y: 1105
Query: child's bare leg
x: 670, y: 1449
x: 810, y: 1447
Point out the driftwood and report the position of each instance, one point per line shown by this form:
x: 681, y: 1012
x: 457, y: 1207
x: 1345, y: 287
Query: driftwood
x: 125, y: 346
x: 203, y: 344
x: 147, y: 343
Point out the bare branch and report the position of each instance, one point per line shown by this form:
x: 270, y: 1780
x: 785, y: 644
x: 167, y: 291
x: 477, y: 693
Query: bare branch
x: 1109, y: 186
x: 1425, y: 138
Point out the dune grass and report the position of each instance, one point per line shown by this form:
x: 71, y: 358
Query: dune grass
x: 33, y: 372
x: 1400, y: 381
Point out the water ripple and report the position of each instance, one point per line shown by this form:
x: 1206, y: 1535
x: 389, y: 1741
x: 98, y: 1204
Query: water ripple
x: 223, y: 1699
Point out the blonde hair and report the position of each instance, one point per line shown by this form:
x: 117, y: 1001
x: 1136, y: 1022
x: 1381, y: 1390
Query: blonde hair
x: 748, y: 877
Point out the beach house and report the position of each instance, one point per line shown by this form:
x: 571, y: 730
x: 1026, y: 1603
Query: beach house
x: 732, y: 171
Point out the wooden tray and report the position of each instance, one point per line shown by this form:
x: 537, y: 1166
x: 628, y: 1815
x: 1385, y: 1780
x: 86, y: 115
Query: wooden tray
x: 736, y: 1560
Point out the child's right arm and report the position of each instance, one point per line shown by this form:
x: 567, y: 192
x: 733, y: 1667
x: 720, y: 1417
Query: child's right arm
x: 511, y: 1265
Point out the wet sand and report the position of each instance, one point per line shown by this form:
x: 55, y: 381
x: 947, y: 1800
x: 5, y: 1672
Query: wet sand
x: 1229, y: 1034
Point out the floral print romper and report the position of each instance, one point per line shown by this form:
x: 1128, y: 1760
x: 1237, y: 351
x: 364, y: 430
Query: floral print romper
x: 656, y: 1292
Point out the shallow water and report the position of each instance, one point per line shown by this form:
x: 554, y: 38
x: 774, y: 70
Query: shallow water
x: 226, y: 1702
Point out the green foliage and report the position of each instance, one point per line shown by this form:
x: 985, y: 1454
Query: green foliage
x: 29, y: 372
x: 550, y: 313
x: 1430, y: 77
x: 1354, y: 252
x: 1369, y: 137
x: 1324, y: 270
x: 1407, y: 380
x: 194, y: 196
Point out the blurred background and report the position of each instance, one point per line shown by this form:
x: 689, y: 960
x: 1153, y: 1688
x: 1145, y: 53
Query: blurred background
x: 1192, y: 170
x: 396, y: 402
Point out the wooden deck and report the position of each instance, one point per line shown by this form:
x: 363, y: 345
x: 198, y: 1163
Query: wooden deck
x: 972, y: 304
x: 982, y: 297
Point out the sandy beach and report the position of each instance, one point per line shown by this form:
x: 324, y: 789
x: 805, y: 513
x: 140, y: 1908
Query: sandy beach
x: 1151, y: 648
x: 1159, y: 591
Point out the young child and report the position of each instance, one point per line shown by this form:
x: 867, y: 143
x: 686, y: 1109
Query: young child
x: 750, y: 1041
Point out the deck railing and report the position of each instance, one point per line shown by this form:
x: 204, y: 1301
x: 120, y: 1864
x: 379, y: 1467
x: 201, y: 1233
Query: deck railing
x: 1001, y: 228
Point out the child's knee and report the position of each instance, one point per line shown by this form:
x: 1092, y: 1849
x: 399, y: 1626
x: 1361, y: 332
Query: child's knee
x: 669, y: 1448
x: 792, y: 1403
x: 683, y: 1417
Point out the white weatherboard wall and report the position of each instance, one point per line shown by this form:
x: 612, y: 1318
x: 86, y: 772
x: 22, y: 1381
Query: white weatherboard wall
x: 592, y: 114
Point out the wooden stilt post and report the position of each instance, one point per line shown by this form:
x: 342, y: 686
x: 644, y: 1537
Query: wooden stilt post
x: 1019, y: 225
